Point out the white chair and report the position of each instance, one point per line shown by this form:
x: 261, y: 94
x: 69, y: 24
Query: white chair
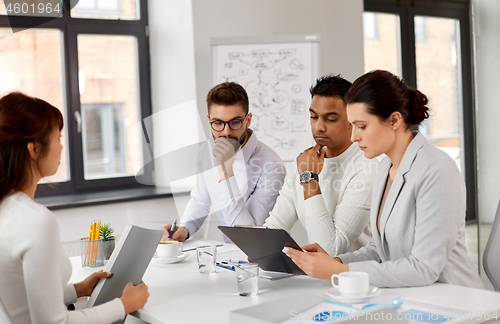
x: 4, y: 317
x: 491, y: 259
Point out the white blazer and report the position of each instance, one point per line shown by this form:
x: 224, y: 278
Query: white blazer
x: 422, y: 225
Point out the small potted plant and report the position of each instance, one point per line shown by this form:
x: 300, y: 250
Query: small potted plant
x: 108, y: 240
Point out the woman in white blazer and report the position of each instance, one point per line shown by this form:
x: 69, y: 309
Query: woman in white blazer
x: 34, y: 269
x: 418, y: 206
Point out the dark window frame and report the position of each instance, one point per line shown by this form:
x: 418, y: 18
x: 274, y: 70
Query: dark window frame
x: 454, y: 9
x: 70, y: 28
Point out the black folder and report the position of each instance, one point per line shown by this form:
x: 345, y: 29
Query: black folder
x: 263, y: 246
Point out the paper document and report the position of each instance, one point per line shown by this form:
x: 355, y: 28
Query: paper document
x: 418, y: 312
x: 191, y: 245
x: 309, y: 308
x: 327, y: 311
x: 272, y: 275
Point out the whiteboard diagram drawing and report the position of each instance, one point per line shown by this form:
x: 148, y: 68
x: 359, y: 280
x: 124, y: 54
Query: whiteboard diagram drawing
x: 277, y: 77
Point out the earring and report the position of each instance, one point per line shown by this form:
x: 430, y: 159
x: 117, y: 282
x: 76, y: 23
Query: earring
x: 394, y: 127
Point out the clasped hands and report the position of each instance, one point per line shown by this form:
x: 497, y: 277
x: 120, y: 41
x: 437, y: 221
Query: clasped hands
x: 225, y: 152
x: 315, y: 262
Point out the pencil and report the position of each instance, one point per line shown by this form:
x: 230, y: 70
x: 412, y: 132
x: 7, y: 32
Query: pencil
x: 96, y: 239
x: 89, y: 248
x: 94, y: 248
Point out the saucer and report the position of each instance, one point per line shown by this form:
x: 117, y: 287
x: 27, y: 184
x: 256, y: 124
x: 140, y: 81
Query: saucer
x: 334, y: 294
x: 178, y: 258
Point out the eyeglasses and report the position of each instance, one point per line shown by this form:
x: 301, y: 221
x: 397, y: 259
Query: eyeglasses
x: 234, y: 124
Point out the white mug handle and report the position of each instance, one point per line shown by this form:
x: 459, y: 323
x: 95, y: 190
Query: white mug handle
x: 335, y: 276
x: 180, y: 247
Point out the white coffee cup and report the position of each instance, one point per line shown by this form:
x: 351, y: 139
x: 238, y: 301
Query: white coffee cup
x: 352, y: 283
x: 169, y: 249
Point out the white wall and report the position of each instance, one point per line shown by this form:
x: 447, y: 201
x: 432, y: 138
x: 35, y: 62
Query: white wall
x: 173, y: 85
x: 486, y: 22
x: 75, y: 222
x: 339, y: 23
x: 171, y: 53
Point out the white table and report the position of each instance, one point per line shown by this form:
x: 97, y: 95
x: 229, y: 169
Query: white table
x: 180, y: 294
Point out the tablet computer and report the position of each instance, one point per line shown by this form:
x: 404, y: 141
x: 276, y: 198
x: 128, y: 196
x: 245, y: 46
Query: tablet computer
x: 263, y: 246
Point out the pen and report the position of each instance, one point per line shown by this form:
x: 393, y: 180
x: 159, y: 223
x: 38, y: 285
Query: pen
x: 239, y: 261
x: 192, y: 249
x: 172, y: 229
x: 225, y: 266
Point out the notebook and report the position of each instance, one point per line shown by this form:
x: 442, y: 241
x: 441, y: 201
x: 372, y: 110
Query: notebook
x: 128, y: 263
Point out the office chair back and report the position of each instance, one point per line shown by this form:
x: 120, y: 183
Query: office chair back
x: 491, y: 259
x: 4, y: 317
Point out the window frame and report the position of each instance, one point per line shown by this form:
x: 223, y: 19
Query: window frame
x: 453, y: 9
x: 71, y: 28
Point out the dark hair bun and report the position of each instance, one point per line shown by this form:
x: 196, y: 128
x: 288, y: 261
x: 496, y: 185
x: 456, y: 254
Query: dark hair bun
x: 417, y: 107
x: 385, y: 93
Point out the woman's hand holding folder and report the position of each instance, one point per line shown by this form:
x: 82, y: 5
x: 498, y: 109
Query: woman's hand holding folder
x: 134, y: 297
x: 86, y: 287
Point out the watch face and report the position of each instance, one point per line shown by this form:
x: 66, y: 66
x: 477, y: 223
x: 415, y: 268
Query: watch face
x: 305, y: 177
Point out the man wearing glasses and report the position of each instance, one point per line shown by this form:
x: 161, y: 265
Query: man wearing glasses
x: 239, y: 176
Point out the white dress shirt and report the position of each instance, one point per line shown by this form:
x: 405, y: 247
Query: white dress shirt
x: 243, y: 199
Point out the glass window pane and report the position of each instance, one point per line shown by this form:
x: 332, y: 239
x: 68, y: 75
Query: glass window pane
x: 106, y: 9
x: 33, y: 8
x: 382, y: 42
x: 420, y: 29
x: 439, y: 76
x: 32, y: 62
x: 370, y: 30
x: 2, y: 8
x: 109, y: 97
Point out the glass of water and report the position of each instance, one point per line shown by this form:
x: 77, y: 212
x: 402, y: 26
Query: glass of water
x: 206, y: 258
x: 247, y: 275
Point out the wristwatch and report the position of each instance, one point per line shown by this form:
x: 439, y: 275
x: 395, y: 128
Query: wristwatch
x: 308, y: 176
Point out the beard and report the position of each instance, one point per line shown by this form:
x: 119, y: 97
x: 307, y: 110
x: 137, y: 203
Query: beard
x: 237, y: 142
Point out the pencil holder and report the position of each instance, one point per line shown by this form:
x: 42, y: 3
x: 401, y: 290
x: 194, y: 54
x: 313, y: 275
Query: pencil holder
x: 92, y: 253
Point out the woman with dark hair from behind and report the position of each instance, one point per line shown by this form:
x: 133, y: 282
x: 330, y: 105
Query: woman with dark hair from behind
x: 34, y: 269
x: 418, y: 207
